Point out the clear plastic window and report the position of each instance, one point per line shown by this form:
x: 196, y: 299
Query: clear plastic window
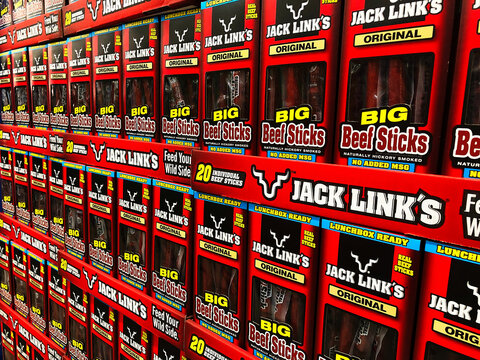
x: 7, y: 355
x: 170, y: 255
x: 39, y: 98
x: 5, y: 279
x: 21, y: 98
x: 180, y: 91
x: 6, y: 190
x: 6, y: 98
x: 132, y: 241
x: 59, y: 98
x: 74, y: 221
x: 77, y: 332
x: 437, y: 352
x: 20, y: 288
x: 37, y: 301
x: 100, y: 229
x: 57, y: 315
x: 273, y: 302
x: 80, y: 96
x: 388, y: 81
x: 139, y: 93
x: 56, y: 207
x: 296, y: 85
x: 39, y: 202
x: 349, y: 334
x: 101, y: 350
x: 21, y: 193
x: 471, y: 115
x: 227, y: 89
x: 217, y: 278
x: 106, y: 95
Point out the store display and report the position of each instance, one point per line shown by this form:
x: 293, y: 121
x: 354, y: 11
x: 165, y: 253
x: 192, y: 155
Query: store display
x: 5, y: 13
x: 103, y: 330
x: 8, y: 342
x: 140, y: 41
x: 56, y: 199
x: 230, y: 37
x: 21, y: 88
x: 78, y: 325
x: 37, y: 275
x: 107, y: 81
x: 181, y: 89
x: 6, y: 291
x: 6, y: 89
x: 23, y: 208
x: 57, y: 306
x: 19, y: 11
x: 134, y: 341
x: 38, y: 56
x: 6, y: 178
x: 19, y: 267
x: 59, y: 85
x: 39, y: 192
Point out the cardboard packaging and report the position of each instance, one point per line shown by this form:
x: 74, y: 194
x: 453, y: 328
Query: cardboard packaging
x: 282, y: 273
x: 19, y: 267
x: 21, y: 87
x: 447, y: 323
x: 103, y: 330
x: 23, y: 348
x: 367, y: 293
x: 134, y: 230
x: 52, y: 5
x: 141, y: 83
x: 56, y: 199
x: 230, y: 70
x: 6, y: 89
x: 5, y: 13
x: 80, y: 80
x: 37, y: 275
x: 173, y: 244
x: 163, y: 350
x: 57, y: 306
x: 21, y: 161
x: 6, y: 178
x: 298, y: 75
x: 59, y: 94
x: 6, y: 290
x: 107, y: 81
x: 74, y: 185
x: 19, y: 11
x: 134, y: 341
x: 102, y: 219
x: 34, y: 8
x: 391, y: 93
x: 180, y: 61
x: 8, y: 342
x: 39, y: 192
x: 219, y: 265
x: 38, y: 56
x: 78, y: 323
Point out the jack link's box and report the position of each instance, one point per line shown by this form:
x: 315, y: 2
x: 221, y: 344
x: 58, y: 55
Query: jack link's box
x: 448, y: 324
x: 107, y: 81
x: 394, y: 74
x: 6, y: 177
x: 134, y: 230
x: 59, y: 89
x: 19, y: 11
x: 230, y: 65
x: 56, y: 199
x: 57, y: 306
x: 5, y: 13
x: 21, y: 88
x: 24, y: 348
x: 103, y: 331
x: 219, y: 262
x: 8, y: 342
x: 298, y: 76
x: 37, y: 274
x: 21, y: 160
x: 34, y: 8
x: 102, y: 220
x: 74, y: 185
x: 19, y: 267
x: 162, y: 349
x: 39, y: 192
x: 78, y: 322
x: 38, y: 56
x: 461, y: 155
x: 281, y: 283
x: 180, y: 61
x: 141, y: 79
x: 173, y: 248
x: 6, y: 88
x: 80, y: 80
x: 52, y: 5
x: 6, y: 291
x: 134, y: 341
x: 367, y: 293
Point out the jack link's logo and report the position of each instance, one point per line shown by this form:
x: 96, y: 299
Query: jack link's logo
x: 56, y: 281
x: 56, y: 173
x: 4, y: 159
x: 35, y: 269
x: 37, y: 60
x: 94, y: 12
x: 16, y: 231
x: 56, y: 57
x: 138, y: 43
x: 219, y: 224
x: 76, y: 297
x: 229, y: 27
x: 12, y: 35
x: 4, y: 65
x: 280, y: 243
x: 19, y: 163
x: 14, y: 322
x: 21, y: 347
x: 72, y: 180
x: 15, y: 136
x: 132, y: 197
x: 170, y: 207
x: 270, y: 190
x: 475, y: 291
x: 37, y: 168
x: 101, y: 314
x: 105, y: 48
x: 99, y: 187
x: 297, y: 15
x: 98, y: 153
x: 90, y: 282
x: 168, y: 357
x: 180, y: 38
x: 131, y: 333
x: 17, y: 62
x: 365, y: 268
x: 78, y: 52
x: 18, y: 258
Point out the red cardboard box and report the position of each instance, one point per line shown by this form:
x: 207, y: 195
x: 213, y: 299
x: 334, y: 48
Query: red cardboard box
x: 19, y: 11
x: 367, y: 293
x: 141, y: 79
x: 230, y: 69
x: 80, y: 80
x: 447, y: 324
x: 6, y: 291
x: 6, y: 177
x: 103, y: 330
x: 76, y: 220
x: 281, y: 283
x: 8, y: 342
x: 219, y: 265
x: 180, y: 61
x: 394, y: 74
x: 19, y: 267
x: 5, y: 13
x: 59, y: 94
x: 24, y: 348
x: 107, y: 81
x: 37, y: 274
x: 57, y: 306
x: 134, y: 230
x: 38, y: 56
x: 39, y: 192
x: 56, y: 199
x: 102, y: 219
x: 78, y: 323
x: 6, y: 89
x: 21, y: 160
x: 21, y: 88
x: 134, y: 341
x: 298, y: 75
